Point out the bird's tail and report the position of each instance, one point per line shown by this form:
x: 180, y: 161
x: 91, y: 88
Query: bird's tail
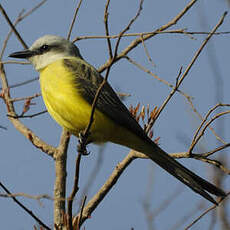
x: 196, y: 183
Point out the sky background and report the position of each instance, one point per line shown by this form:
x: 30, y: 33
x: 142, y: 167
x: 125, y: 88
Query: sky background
x: 23, y: 168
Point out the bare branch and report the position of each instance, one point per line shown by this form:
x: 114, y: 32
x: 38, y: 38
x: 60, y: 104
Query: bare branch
x: 117, y: 172
x: 74, y: 18
x: 13, y: 27
x: 179, y: 81
x: 60, y: 179
x: 196, y: 138
x: 24, y: 208
x: 74, y: 191
x: 178, y: 31
x: 204, y: 213
x: 138, y: 41
x: 106, y: 14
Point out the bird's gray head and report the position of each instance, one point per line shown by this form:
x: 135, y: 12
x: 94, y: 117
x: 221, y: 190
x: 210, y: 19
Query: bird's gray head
x: 48, y: 49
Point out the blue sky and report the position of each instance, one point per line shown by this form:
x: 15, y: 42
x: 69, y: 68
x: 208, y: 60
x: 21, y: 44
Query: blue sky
x: 23, y: 168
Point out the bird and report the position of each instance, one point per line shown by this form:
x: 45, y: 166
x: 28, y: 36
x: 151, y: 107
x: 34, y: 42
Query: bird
x: 68, y: 86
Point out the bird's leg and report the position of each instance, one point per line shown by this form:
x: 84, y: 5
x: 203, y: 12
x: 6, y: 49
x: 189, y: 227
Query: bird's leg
x: 81, y: 147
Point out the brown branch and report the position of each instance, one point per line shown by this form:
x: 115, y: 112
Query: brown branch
x: 191, y: 63
x: 25, y: 98
x: 94, y: 173
x: 216, y: 163
x: 74, y: 191
x: 155, y: 76
x: 196, y: 138
x: 205, y: 127
x: 151, y: 123
x: 77, y: 221
x: 205, y: 212
x: 187, y: 216
x: 127, y: 28
x: 13, y: 27
x: 147, y: 52
x: 27, y: 116
x: 138, y: 41
x: 21, y: 83
x: 16, y: 62
x: 201, y: 118
x: 35, y: 140
x: 8, y: 35
x: 209, y: 153
x: 19, y: 19
x: 33, y: 9
x: 34, y: 197
x: 24, y: 208
x: 74, y: 18
x: 111, y: 181
x: 179, y: 31
x: 106, y: 14
x: 60, y: 158
x: 151, y: 215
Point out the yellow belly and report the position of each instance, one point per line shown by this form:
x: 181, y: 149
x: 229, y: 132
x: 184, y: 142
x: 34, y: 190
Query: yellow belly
x: 66, y: 105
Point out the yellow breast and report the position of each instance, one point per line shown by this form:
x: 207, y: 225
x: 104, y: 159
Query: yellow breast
x: 67, y: 106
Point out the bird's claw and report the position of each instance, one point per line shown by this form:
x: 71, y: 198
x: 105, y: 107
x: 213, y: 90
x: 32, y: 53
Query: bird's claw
x: 82, y: 145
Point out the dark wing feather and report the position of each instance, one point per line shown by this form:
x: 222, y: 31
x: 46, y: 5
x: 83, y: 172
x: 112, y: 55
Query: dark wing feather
x: 88, y: 81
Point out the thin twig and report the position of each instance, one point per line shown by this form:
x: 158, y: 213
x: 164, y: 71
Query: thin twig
x: 22, y: 194
x: 209, y: 153
x: 195, y: 138
x: 35, y: 140
x: 19, y: 19
x: 74, y: 191
x: 13, y: 27
x: 33, y: 9
x: 81, y: 212
x: 205, y: 212
x: 25, y: 208
x: 201, y: 118
x: 27, y: 116
x: 127, y: 28
x: 117, y: 172
x: 180, y: 31
x: 2, y: 127
x: 25, y: 98
x: 16, y: 62
x: 156, y: 77
x: 106, y: 15
x: 9, y: 34
x: 94, y: 173
x: 204, y: 129
x: 191, y: 64
x: 147, y: 53
x: 138, y: 41
x: 22, y: 83
x: 74, y: 18
x: 188, y: 215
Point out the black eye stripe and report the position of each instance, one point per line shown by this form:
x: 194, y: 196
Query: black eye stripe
x: 45, y: 48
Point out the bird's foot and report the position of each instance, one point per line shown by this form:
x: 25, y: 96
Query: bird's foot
x: 81, y: 147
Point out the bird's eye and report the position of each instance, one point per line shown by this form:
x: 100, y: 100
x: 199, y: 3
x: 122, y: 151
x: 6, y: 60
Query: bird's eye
x: 44, y: 48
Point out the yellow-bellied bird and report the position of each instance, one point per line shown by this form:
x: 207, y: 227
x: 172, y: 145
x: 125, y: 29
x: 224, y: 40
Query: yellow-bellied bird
x: 68, y: 86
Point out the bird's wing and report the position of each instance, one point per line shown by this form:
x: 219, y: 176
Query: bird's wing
x: 88, y: 81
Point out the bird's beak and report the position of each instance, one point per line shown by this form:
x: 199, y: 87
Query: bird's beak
x: 22, y: 54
